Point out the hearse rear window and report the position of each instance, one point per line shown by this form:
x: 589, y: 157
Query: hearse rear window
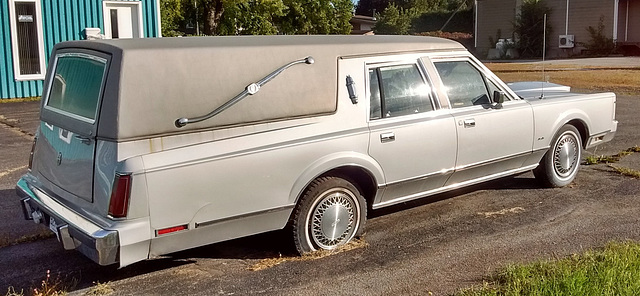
x: 77, y: 84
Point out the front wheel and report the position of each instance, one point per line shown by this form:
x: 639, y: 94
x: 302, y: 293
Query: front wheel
x: 560, y: 164
x: 331, y: 212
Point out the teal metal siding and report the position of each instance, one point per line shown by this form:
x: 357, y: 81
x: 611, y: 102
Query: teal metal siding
x: 9, y: 88
x: 5, y: 51
x: 62, y: 20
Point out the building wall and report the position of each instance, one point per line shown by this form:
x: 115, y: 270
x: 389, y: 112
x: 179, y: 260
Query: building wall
x: 497, y: 14
x: 582, y: 14
x: 62, y: 20
x: 493, y: 15
x: 629, y: 21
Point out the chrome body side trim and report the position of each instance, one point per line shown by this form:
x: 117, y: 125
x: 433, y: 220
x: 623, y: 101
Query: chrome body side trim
x: 438, y: 173
x: 451, y: 187
x: 491, y: 161
x: 258, y: 213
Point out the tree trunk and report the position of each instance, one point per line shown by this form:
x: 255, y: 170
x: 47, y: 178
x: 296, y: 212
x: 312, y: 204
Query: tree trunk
x: 213, y: 10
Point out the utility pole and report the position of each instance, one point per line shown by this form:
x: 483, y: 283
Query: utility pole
x: 195, y: 4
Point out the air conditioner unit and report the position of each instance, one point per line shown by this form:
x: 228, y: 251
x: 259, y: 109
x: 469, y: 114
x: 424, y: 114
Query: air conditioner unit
x: 566, y: 41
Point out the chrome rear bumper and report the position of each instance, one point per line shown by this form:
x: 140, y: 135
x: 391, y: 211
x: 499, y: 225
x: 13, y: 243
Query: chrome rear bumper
x: 100, y: 245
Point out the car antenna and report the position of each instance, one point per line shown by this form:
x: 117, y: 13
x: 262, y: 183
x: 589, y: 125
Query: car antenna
x: 544, y: 50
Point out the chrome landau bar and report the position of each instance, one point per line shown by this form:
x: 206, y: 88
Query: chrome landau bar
x: 251, y: 89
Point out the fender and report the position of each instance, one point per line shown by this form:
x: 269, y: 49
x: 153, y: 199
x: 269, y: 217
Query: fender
x: 572, y: 115
x: 545, y: 130
x: 333, y: 161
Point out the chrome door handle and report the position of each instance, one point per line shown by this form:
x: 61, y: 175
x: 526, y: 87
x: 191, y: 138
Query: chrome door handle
x: 387, y: 137
x: 83, y: 140
x: 469, y: 122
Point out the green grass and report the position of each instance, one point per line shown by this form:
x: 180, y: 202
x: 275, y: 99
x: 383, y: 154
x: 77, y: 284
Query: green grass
x: 615, y: 270
x: 596, y: 159
x: 626, y: 171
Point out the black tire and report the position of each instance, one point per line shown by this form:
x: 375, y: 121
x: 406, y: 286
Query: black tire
x: 560, y: 164
x: 326, y: 198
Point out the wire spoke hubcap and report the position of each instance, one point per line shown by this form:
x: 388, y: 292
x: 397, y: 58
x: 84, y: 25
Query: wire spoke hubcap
x: 333, y: 220
x: 565, y: 156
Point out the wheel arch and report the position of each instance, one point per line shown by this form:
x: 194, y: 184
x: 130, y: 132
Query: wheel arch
x: 582, y: 128
x: 359, y: 177
x: 575, y: 117
x: 361, y: 170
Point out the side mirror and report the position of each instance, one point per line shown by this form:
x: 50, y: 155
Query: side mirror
x: 498, y: 99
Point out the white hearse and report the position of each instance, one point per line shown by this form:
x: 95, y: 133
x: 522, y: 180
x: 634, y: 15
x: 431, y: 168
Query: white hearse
x: 151, y: 146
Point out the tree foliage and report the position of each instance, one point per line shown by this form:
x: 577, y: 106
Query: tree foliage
x: 394, y: 20
x: 172, y: 14
x: 257, y: 17
x: 317, y: 17
x: 372, y: 7
x: 529, y: 27
x: 253, y: 17
x: 401, y: 16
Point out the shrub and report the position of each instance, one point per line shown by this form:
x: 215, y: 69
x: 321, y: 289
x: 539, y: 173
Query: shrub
x: 599, y: 44
x: 528, y: 27
x: 394, y: 20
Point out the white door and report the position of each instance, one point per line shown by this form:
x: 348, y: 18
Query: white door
x: 413, y: 141
x: 492, y: 139
x: 122, y: 19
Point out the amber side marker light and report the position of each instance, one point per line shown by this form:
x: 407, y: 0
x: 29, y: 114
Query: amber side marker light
x: 119, y: 203
x: 170, y: 230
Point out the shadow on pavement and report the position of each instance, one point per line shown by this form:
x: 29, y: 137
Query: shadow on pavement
x: 24, y: 266
x: 520, y: 182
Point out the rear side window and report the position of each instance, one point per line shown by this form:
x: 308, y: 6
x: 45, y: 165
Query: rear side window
x: 76, y: 85
x: 397, y: 91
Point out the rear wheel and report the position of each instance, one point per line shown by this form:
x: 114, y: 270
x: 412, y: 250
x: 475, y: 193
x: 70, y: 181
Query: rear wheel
x: 330, y: 213
x: 560, y: 164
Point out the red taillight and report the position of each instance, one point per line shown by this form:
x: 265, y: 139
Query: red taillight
x: 119, y: 203
x: 33, y: 148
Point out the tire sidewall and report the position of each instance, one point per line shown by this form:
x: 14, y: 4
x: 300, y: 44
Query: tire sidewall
x: 316, y: 192
x: 553, y: 178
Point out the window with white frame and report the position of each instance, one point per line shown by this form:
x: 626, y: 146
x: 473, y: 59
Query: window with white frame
x: 26, y: 39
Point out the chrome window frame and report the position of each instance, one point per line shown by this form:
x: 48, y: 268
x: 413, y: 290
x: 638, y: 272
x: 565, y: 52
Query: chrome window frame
x: 49, y: 81
x: 426, y: 78
x: 510, y: 96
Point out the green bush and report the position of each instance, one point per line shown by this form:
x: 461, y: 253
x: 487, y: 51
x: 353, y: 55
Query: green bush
x: 529, y: 28
x: 394, y: 20
x: 599, y: 44
x: 462, y: 21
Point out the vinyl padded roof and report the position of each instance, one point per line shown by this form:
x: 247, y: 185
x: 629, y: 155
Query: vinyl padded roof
x: 154, y: 81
